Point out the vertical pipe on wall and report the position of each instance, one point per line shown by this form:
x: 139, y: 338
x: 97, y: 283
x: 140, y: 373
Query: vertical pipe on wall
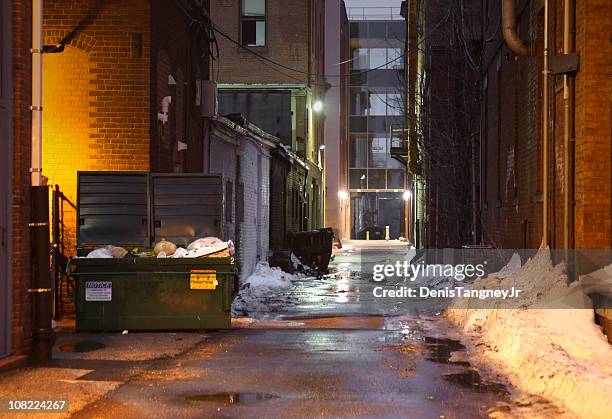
x: 569, y: 125
x: 569, y: 137
x: 36, y: 108
x: 41, y: 287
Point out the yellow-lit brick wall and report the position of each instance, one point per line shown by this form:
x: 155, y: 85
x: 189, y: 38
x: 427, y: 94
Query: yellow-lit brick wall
x: 66, y: 127
x: 96, y: 95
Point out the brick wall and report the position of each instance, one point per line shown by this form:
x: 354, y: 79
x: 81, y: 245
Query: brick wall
x: 172, y: 54
x: 298, y: 43
x: 96, y: 94
x: 287, y: 43
x: 21, y: 321
x: 511, y: 141
x: 593, y: 209
x: 517, y: 223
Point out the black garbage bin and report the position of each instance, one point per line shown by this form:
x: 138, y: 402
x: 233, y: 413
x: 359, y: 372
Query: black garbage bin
x: 314, y: 248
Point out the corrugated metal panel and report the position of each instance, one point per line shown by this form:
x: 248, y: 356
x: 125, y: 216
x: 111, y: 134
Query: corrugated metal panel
x: 187, y: 207
x: 112, y: 209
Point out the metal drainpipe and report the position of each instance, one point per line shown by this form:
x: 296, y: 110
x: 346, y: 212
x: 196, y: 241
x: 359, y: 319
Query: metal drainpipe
x: 516, y: 44
x: 569, y: 134
x: 41, y: 287
x: 509, y: 25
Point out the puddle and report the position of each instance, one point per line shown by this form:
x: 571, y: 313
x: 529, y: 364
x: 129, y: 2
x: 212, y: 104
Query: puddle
x: 231, y: 398
x: 471, y: 379
x: 81, y: 346
x: 440, y: 350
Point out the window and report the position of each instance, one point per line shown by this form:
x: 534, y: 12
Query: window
x: 358, y: 152
x: 358, y: 179
x: 359, y: 102
x: 378, y: 152
x: 360, y: 59
x: 378, y: 104
x: 253, y: 23
x: 395, y: 58
x: 394, y: 104
x: 378, y: 58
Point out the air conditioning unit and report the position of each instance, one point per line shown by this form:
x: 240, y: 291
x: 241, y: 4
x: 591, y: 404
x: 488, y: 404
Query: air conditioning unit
x: 206, y: 98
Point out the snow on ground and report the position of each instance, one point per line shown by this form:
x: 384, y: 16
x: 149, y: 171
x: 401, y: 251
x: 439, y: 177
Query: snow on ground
x: 263, y: 291
x: 557, y: 353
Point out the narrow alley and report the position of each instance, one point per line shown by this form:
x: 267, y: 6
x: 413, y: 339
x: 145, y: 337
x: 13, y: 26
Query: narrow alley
x: 329, y: 350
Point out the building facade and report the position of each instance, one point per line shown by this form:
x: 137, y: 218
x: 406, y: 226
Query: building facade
x: 15, y: 146
x: 517, y: 124
x: 337, y: 55
x: 376, y: 179
x: 270, y: 70
x: 443, y: 121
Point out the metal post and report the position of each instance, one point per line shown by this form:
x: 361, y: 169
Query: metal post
x: 43, y: 336
x: 569, y: 140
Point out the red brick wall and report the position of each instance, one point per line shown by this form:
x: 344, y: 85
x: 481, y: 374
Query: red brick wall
x: 518, y: 223
x: 22, y: 333
x: 593, y: 124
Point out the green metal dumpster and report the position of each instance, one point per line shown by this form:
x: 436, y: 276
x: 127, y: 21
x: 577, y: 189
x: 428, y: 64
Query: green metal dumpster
x: 153, y: 294
x: 148, y: 293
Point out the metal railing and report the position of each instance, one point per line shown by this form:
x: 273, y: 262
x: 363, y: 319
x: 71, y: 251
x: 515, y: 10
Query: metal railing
x: 374, y: 13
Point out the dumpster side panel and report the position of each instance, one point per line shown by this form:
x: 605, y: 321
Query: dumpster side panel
x: 112, y: 208
x: 187, y: 207
x: 151, y: 294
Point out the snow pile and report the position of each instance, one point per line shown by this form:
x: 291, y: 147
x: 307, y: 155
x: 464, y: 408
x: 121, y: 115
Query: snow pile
x: 263, y: 291
x: 559, y: 354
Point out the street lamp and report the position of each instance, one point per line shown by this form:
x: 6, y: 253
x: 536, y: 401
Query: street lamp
x: 407, y: 195
x: 317, y: 106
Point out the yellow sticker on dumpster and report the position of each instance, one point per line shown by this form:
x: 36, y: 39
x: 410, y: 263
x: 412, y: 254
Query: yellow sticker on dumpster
x: 203, y: 280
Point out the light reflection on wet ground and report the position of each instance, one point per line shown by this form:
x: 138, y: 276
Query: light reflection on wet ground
x: 346, y: 291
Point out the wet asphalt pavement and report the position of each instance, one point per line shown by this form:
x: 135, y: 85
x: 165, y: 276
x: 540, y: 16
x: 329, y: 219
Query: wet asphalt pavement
x: 327, y: 349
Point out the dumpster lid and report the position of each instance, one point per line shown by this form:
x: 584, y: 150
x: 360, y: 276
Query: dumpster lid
x: 112, y: 209
x: 186, y: 207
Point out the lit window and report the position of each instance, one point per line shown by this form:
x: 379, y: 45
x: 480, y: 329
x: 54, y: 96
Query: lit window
x: 378, y: 58
x: 253, y: 23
